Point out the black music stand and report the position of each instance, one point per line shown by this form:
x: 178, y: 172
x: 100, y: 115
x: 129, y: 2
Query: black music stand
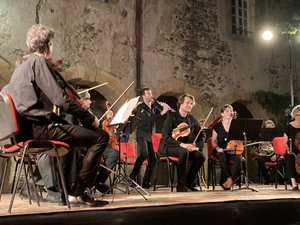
x: 122, y: 120
x: 246, y: 130
x: 267, y: 134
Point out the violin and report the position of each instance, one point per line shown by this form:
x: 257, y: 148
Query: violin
x: 109, y: 129
x: 182, y: 130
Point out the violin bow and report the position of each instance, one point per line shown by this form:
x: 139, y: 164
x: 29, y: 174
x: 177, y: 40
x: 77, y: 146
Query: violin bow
x: 112, y: 105
x: 203, y: 126
x: 86, y: 90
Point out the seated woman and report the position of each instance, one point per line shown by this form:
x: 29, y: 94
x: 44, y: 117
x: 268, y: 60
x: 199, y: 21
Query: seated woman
x: 265, y: 151
x: 219, y: 142
x: 291, y: 132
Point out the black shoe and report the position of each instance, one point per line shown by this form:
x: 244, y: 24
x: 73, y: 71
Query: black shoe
x: 182, y: 188
x: 146, y: 184
x: 89, y: 200
x: 192, y: 188
x: 103, y: 188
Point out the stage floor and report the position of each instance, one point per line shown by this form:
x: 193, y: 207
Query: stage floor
x: 160, y: 197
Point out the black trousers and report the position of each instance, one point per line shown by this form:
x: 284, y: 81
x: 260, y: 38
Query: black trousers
x: 290, y: 168
x: 145, y: 151
x: 94, y: 143
x: 262, y: 167
x: 228, y: 169
x: 194, y: 159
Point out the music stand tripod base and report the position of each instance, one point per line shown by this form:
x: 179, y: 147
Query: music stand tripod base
x: 245, y: 129
x: 128, y: 182
x: 121, y: 175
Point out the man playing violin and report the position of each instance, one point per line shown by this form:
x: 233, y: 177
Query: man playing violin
x: 110, y: 155
x: 147, y: 116
x: 219, y: 142
x: 35, y: 90
x: 182, y: 146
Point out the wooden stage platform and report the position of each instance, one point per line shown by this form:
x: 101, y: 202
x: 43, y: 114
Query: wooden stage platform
x: 267, y: 206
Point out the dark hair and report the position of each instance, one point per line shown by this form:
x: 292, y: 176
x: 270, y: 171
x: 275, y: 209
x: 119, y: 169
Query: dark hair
x: 143, y: 90
x: 182, y: 97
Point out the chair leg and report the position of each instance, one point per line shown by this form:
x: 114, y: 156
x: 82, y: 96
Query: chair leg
x: 17, y: 181
x: 34, y: 185
x: 170, y: 170
x: 201, y: 176
x: 213, y: 176
x: 283, y: 176
x: 3, y: 177
x: 155, y: 175
x: 15, y: 173
x: 208, y: 174
x: 62, y: 178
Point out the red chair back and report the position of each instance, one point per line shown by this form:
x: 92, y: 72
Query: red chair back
x: 156, y: 137
x: 210, y: 147
x: 8, y: 118
x: 127, y: 149
x: 279, y: 147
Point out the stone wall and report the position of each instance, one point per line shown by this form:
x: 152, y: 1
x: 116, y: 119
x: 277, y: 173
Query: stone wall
x: 187, y: 42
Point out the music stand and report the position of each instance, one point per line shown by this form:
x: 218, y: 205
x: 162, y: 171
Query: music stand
x: 246, y: 130
x: 267, y: 134
x: 122, y: 120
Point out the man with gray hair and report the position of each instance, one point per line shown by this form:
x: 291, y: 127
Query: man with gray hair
x: 35, y: 89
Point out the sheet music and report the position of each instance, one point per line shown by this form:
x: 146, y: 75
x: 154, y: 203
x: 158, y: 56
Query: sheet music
x: 125, y: 111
